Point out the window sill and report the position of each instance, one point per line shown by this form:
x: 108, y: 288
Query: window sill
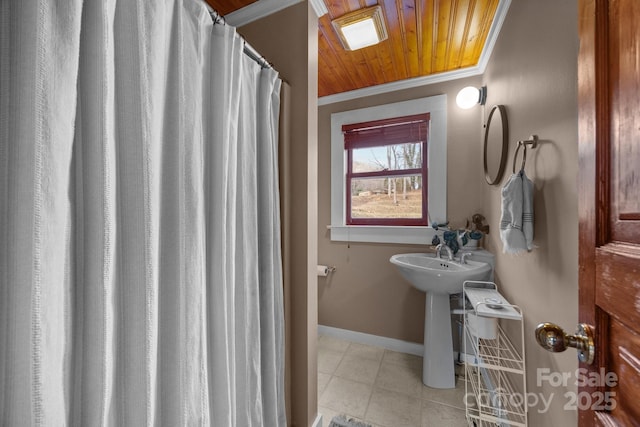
x: 382, y: 234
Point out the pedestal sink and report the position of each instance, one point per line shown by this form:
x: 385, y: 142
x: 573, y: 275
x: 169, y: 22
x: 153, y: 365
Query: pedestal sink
x: 438, y: 278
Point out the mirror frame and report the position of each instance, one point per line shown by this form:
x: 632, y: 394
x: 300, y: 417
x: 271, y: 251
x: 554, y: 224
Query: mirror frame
x: 505, y: 144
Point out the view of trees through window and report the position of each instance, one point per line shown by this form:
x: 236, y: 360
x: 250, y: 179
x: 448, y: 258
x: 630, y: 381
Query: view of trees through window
x: 386, y: 171
x: 387, y: 196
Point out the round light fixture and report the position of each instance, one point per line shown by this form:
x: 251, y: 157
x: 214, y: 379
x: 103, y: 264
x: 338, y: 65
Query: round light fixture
x: 470, y: 96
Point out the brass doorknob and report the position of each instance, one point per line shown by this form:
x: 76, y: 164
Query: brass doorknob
x: 553, y: 338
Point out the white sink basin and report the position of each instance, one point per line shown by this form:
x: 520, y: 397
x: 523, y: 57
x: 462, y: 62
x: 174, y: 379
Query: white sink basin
x: 430, y: 274
x: 438, y: 278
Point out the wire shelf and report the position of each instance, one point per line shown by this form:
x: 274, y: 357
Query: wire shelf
x: 498, y: 353
x: 495, y: 399
x: 496, y: 380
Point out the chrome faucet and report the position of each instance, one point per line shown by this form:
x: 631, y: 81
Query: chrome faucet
x: 464, y: 256
x: 447, y: 248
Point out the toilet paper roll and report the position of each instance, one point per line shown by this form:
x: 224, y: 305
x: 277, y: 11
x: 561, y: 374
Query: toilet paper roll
x: 323, y: 270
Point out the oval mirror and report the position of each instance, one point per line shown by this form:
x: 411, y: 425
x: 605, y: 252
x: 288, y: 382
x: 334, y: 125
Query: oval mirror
x: 496, y: 144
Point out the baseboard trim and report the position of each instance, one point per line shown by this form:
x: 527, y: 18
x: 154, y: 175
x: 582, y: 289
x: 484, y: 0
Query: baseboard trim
x: 318, y: 421
x: 375, y: 340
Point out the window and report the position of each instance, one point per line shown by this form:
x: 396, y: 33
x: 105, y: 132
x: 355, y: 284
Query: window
x: 426, y: 178
x: 387, y: 171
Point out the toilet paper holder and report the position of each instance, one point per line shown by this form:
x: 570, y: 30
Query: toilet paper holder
x: 325, y: 270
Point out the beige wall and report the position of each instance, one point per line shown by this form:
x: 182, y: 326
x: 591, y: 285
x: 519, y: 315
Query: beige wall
x: 533, y: 72
x: 366, y: 293
x: 288, y: 39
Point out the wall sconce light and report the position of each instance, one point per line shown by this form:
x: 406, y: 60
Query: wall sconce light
x: 361, y: 28
x: 470, y: 96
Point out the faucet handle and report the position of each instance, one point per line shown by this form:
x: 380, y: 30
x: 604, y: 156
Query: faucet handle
x: 464, y: 256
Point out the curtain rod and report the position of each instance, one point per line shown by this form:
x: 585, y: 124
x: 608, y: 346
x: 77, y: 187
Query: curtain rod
x: 248, y: 49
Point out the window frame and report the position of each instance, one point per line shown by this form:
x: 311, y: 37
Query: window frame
x: 422, y: 171
x: 436, y: 107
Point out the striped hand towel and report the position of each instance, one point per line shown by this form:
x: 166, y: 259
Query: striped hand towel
x: 516, y: 223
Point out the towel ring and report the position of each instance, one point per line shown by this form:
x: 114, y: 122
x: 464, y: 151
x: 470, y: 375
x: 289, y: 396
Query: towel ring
x: 533, y: 142
x: 524, y: 156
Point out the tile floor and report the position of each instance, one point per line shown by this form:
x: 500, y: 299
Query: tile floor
x: 382, y: 388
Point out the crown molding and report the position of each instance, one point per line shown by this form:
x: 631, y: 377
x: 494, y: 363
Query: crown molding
x: 257, y: 10
x: 400, y: 85
x: 494, y: 31
x: 319, y: 7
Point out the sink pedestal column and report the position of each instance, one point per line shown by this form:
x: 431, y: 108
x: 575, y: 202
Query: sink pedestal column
x: 437, y: 363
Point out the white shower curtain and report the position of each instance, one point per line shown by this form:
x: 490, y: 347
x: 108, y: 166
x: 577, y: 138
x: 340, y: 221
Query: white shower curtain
x: 140, y: 266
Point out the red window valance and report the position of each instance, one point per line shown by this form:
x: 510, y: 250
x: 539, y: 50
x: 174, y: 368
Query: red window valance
x: 399, y: 130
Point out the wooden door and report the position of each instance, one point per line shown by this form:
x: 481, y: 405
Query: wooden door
x: 609, y: 206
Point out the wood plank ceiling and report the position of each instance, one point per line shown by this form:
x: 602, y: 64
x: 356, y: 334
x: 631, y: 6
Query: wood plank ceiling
x: 224, y: 7
x: 425, y: 37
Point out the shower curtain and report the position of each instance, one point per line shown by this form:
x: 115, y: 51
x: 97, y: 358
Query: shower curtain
x: 140, y: 265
